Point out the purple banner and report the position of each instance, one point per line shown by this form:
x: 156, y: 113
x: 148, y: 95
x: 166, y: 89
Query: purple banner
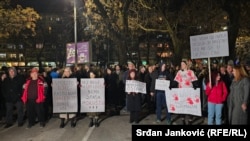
x: 82, y: 52
x: 70, y: 58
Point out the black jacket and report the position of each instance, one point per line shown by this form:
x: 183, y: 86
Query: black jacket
x: 12, y: 88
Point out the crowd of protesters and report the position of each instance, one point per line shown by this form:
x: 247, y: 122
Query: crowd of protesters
x: 224, y: 97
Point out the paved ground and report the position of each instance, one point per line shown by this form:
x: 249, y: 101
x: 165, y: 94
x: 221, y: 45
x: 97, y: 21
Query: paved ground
x: 112, y: 128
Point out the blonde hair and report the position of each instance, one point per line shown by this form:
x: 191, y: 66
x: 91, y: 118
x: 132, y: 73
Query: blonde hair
x: 66, y: 69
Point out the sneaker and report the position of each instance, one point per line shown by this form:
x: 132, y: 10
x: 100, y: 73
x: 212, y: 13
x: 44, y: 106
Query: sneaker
x: 28, y: 127
x: 42, y: 125
x: 97, y: 124
x: 158, y: 121
x: 91, y: 123
x: 168, y: 122
x: 73, y: 124
x: 189, y: 122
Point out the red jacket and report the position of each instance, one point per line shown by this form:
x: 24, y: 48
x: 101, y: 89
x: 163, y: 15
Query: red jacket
x: 40, y: 94
x: 218, y: 93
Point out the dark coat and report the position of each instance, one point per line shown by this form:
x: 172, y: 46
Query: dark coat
x: 111, y: 88
x: 134, y: 102
x: 12, y: 88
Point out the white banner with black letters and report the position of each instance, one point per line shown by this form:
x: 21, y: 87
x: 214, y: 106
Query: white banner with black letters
x: 135, y: 86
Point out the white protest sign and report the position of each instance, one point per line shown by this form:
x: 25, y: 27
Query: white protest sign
x: 184, y: 101
x: 209, y: 45
x: 135, y: 86
x: 64, y: 94
x: 92, y: 95
x: 161, y: 84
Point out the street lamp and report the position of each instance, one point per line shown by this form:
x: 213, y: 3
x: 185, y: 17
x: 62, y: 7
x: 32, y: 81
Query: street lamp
x: 75, y: 32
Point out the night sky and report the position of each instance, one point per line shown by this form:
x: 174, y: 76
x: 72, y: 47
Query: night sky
x: 42, y: 6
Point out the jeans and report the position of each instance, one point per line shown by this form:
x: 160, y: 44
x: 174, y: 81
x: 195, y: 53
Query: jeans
x: 214, y: 111
x: 160, y: 103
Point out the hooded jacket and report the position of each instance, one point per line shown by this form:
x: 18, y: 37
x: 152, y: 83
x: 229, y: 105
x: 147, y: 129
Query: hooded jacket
x: 12, y: 87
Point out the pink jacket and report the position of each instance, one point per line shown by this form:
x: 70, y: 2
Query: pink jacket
x: 217, y: 94
x: 41, y: 95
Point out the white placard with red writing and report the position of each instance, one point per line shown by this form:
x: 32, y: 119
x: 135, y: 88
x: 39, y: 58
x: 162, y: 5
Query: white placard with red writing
x: 184, y: 101
x: 92, y: 95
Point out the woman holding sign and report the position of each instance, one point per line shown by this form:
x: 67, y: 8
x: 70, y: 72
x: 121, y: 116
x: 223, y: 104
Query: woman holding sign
x: 186, y: 78
x: 133, y: 99
x: 216, y: 91
x: 67, y: 73
x: 93, y: 116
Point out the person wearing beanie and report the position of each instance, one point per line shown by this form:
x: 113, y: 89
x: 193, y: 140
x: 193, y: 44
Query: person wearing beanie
x: 12, y: 92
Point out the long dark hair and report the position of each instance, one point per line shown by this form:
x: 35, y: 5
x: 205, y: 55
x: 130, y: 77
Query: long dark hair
x: 136, y: 75
x: 214, y: 74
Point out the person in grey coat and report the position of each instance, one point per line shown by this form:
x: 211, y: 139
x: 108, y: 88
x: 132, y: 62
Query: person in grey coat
x: 238, y: 100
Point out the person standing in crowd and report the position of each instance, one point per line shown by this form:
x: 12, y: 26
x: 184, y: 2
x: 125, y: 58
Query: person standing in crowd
x: 238, y: 100
x: 141, y: 74
x: 120, y: 86
x: 111, y: 97
x: 216, y: 91
x: 186, y: 78
x: 227, y: 80
x: 12, y: 89
x: 247, y: 66
x: 2, y: 100
x: 34, y: 97
x: 48, y: 112
x: 163, y: 74
x: 54, y: 73
x: 131, y: 66
x: 78, y: 73
x: 86, y: 71
x: 67, y: 73
x: 93, y: 116
x: 133, y: 99
x: 202, y: 74
x: 150, y: 100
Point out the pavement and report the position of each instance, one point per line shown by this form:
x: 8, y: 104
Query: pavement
x: 112, y: 128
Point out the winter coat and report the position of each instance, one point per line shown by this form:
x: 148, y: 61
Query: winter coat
x: 218, y: 93
x: 12, y: 88
x: 40, y: 93
x: 239, y: 94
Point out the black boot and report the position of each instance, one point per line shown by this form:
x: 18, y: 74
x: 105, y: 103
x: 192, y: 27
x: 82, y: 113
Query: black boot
x: 62, y: 123
x: 73, y: 122
x: 190, y: 122
x: 91, y: 123
x: 96, y: 122
x: 183, y: 121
